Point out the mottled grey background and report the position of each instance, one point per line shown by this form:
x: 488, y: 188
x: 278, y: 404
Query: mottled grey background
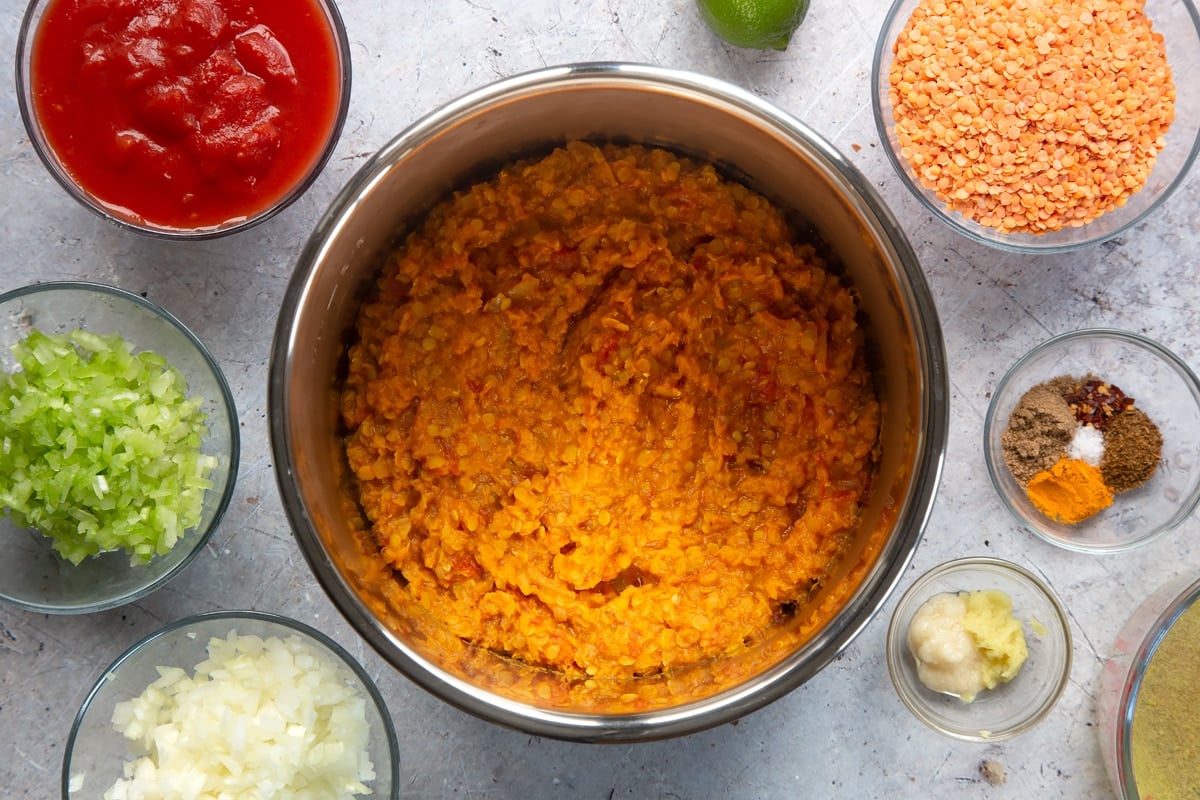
x: 844, y: 734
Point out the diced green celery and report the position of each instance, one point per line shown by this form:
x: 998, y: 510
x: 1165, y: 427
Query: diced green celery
x: 101, y: 446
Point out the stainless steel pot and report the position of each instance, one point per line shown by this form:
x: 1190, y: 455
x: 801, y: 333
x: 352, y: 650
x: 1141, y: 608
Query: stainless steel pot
x: 770, y: 151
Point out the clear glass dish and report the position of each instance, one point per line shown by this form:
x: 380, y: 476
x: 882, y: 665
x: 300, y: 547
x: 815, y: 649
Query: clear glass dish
x: 96, y: 752
x: 126, y: 218
x: 1179, y: 24
x: 1124, y: 673
x: 1010, y: 708
x: 1161, y: 384
x: 32, y: 575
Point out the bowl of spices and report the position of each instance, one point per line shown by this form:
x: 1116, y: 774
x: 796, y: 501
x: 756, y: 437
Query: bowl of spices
x: 183, y: 120
x: 979, y: 649
x: 1146, y: 708
x: 1044, y: 126
x: 1090, y: 440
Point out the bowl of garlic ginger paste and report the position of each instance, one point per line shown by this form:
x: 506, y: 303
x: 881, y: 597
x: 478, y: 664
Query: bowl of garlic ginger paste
x: 979, y: 649
x: 608, y: 402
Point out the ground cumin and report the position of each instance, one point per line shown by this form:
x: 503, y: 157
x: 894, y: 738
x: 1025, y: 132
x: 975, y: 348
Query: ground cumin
x: 1070, y: 491
x: 1031, y: 115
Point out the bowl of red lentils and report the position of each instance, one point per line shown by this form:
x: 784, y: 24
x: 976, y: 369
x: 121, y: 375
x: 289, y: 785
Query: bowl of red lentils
x: 1091, y: 440
x: 1039, y: 125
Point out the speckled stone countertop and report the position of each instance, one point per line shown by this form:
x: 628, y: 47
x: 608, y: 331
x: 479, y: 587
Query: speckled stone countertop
x: 844, y: 733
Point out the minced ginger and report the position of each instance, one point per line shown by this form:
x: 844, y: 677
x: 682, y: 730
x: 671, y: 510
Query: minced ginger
x: 967, y: 642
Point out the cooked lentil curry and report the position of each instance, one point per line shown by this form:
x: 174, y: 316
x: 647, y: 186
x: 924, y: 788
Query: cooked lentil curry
x: 607, y: 416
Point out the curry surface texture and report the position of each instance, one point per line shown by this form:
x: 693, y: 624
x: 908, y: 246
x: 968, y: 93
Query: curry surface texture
x: 607, y: 416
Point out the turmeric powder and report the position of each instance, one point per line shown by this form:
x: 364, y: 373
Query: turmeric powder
x: 1070, y: 491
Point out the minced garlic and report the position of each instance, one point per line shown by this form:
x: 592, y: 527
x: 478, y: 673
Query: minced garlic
x: 967, y: 642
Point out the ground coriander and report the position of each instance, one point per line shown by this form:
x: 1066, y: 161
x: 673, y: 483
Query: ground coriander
x: 1039, y: 429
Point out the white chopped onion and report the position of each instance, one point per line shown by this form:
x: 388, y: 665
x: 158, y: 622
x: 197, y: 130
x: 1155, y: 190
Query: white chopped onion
x: 260, y: 718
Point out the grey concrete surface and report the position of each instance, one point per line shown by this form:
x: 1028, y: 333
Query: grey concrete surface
x: 843, y: 734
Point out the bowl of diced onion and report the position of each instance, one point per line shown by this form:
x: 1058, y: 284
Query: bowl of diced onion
x: 233, y: 704
x: 120, y: 447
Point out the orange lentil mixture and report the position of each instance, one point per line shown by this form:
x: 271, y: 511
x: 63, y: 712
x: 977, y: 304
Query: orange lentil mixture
x: 607, y: 416
x: 1031, y: 115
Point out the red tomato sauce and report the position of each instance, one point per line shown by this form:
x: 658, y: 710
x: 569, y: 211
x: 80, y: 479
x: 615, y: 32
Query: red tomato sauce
x: 186, y: 114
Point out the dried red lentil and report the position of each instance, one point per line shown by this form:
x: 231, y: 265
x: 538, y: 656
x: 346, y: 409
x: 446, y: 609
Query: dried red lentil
x: 1031, y: 115
x: 608, y: 416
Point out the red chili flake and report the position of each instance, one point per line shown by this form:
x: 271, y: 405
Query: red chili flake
x: 1096, y: 402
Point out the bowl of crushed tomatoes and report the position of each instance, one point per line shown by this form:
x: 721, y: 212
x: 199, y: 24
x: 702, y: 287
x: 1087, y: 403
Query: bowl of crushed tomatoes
x: 183, y: 119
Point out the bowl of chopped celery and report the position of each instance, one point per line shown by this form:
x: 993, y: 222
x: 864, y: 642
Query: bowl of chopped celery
x: 233, y: 704
x: 118, y: 442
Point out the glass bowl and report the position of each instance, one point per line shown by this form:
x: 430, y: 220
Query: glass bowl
x: 1010, y: 708
x: 148, y: 161
x: 1149, y: 655
x: 1178, y: 23
x: 96, y: 751
x: 32, y: 575
x: 1161, y: 384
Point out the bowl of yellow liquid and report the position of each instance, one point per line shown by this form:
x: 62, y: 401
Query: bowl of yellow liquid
x: 1148, y: 726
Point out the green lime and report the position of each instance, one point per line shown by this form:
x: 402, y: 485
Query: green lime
x: 758, y: 24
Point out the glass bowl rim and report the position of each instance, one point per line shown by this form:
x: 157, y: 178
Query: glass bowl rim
x: 24, y: 45
x: 893, y: 650
x: 225, y: 401
x: 1024, y: 243
x: 994, y: 467
x: 294, y: 625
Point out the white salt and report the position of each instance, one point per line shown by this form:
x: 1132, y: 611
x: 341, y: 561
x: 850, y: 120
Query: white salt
x: 1087, y: 445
